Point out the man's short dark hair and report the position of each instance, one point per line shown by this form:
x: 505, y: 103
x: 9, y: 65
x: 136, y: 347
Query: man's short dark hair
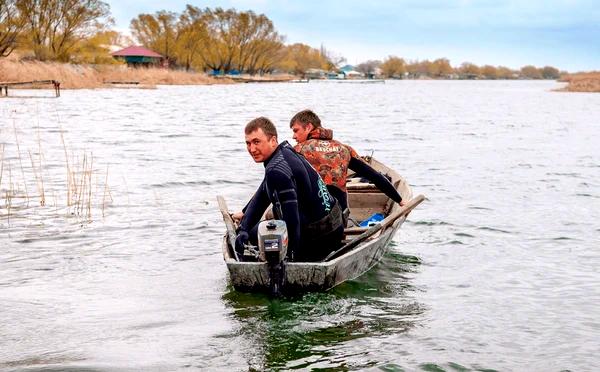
x: 306, y: 117
x: 261, y: 123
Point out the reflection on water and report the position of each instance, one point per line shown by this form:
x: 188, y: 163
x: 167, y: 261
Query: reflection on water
x: 316, y: 330
x: 497, y: 270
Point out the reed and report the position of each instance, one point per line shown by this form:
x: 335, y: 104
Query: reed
x: 582, y: 82
x: 95, y: 76
x: 21, y: 162
x: 84, y: 194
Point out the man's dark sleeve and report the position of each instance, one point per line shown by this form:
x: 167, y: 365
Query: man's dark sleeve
x: 285, y: 189
x: 255, y: 208
x: 365, y: 170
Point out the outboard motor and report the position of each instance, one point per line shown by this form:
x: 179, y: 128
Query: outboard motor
x: 272, y: 247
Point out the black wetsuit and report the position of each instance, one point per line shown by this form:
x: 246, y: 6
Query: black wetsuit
x: 300, y: 198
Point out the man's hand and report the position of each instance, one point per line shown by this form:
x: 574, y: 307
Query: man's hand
x: 402, y: 203
x: 237, y: 216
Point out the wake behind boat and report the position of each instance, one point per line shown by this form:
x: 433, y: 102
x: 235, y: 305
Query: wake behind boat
x: 362, y: 247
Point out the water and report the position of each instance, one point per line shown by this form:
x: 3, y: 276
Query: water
x: 497, y: 270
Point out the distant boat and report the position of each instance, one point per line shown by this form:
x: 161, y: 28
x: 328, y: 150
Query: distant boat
x: 363, y: 246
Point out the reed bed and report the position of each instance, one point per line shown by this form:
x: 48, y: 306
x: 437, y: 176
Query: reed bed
x: 85, y: 190
x: 582, y: 82
x: 96, y: 76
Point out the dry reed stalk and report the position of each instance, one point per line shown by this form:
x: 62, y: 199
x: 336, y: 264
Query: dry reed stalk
x: 37, y: 180
x: 21, y: 162
x: 89, y: 205
x: 9, y: 192
x: 1, y: 165
x: 40, y: 154
x: 104, y: 193
x: 69, y: 176
x: 80, y: 193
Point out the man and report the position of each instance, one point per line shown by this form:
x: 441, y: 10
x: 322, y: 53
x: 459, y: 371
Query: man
x: 332, y: 159
x: 298, y: 195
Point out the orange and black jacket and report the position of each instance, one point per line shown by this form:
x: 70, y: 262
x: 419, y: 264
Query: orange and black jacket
x: 332, y: 159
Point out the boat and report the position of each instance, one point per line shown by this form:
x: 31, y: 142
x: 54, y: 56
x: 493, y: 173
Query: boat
x: 363, y: 246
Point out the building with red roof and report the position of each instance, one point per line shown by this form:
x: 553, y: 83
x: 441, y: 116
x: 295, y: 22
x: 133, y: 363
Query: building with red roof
x: 139, y: 56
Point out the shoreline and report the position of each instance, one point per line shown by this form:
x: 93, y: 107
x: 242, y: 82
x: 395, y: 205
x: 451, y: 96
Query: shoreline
x: 73, y: 76
x: 120, y: 76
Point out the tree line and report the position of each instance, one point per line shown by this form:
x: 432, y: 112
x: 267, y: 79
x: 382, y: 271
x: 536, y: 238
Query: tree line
x: 200, y: 39
x: 396, y: 67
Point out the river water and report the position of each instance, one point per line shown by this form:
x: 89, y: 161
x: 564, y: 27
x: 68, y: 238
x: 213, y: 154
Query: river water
x: 496, y: 270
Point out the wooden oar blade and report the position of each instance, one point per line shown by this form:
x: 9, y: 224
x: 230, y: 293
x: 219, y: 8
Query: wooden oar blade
x: 228, y: 223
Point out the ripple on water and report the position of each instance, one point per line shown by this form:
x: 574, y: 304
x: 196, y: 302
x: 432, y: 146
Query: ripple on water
x: 461, y: 149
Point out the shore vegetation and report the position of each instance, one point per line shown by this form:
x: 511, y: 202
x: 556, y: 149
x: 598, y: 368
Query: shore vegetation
x: 195, y: 43
x: 75, y: 76
x: 583, y: 82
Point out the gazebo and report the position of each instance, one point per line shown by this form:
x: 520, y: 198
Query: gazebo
x: 139, y: 56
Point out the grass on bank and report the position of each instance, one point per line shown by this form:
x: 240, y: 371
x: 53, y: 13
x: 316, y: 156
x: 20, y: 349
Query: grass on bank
x: 95, y: 76
x: 582, y: 82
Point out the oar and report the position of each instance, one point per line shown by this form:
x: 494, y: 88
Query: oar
x: 405, y: 210
x: 228, y: 224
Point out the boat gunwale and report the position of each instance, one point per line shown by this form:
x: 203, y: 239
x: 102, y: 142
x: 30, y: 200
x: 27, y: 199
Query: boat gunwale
x: 370, y: 251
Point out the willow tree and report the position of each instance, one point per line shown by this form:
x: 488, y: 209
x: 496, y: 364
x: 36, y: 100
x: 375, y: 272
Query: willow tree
x: 192, y: 38
x: 157, y: 31
x: 301, y: 57
x: 265, y: 55
x: 54, y: 27
x: 393, y: 67
x: 95, y: 49
x: 215, y: 39
x: 531, y: 72
x: 258, y: 42
x: 10, y: 26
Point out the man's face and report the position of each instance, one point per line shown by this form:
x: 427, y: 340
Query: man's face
x: 260, y: 146
x: 300, y: 133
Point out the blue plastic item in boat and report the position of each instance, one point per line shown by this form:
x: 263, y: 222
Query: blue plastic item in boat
x: 373, y: 220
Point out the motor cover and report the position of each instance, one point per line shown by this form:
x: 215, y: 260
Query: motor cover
x: 272, y: 240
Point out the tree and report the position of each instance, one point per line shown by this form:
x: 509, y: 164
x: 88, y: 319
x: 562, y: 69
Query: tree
x: 442, y: 67
x: 96, y: 49
x: 393, y: 67
x: 301, y: 57
x: 368, y: 67
x: 257, y: 39
x: 469, y: 70
x: 531, y: 72
x: 505, y: 73
x: 549, y: 72
x: 489, y: 72
x: 157, y: 32
x: 192, y: 37
x: 10, y: 25
x: 333, y: 59
x: 54, y: 27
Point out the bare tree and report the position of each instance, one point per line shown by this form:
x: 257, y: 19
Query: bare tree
x: 10, y: 26
x: 368, y: 67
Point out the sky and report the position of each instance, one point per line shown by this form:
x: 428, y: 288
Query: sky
x: 560, y: 33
